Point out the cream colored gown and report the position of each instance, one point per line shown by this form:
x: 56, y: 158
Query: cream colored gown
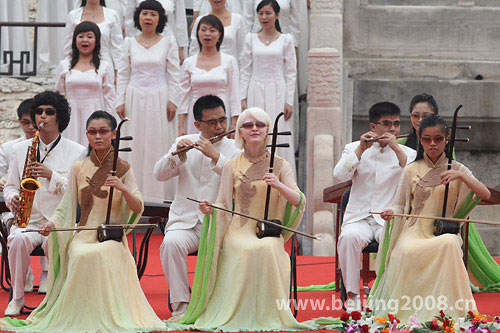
x: 424, y: 273
x: 248, y: 275
x: 92, y: 286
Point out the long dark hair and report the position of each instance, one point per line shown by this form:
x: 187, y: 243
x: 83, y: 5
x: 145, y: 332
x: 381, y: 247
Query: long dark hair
x: 431, y: 121
x: 101, y: 2
x: 412, y: 140
x: 212, y: 21
x: 275, y: 6
x: 86, y: 26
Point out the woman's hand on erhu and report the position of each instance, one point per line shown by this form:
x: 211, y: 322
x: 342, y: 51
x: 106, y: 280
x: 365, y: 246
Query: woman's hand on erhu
x: 271, y: 179
x: 205, y: 207
x: 115, y: 182
x: 451, y: 175
x: 46, y: 228
x: 387, y: 214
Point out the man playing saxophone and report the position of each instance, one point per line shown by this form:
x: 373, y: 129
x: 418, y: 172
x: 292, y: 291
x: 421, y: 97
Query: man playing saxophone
x: 49, y: 162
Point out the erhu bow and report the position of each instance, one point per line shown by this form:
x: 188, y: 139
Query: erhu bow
x: 447, y: 226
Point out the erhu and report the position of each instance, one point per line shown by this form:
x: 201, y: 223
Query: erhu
x: 29, y: 184
x: 105, y: 231
x: 447, y: 226
x: 263, y: 229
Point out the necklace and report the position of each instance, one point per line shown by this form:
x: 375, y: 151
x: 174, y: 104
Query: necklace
x: 268, y: 41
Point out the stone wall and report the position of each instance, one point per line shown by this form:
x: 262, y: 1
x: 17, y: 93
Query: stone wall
x: 395, y: 49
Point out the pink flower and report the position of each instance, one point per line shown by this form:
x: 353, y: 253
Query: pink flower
x: 413, y: 322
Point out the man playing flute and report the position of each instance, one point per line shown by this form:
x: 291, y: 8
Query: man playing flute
x: 374, y: 164
x: 198, y: 171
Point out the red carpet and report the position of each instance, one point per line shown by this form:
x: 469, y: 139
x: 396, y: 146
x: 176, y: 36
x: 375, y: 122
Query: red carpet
x: 311, y: 270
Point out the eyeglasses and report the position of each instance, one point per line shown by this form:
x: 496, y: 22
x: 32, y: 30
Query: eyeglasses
x: 418, y: 116
x: 25, y: 122
x: 251, y: 124
x: 48, y: 111
x: 388, y: 123
x: 213, y: 122
x: 427, y: 139
x: 101, y: 131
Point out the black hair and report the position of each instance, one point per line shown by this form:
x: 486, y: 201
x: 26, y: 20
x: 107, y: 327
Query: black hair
x: 151, y: 5
x: 101, y: 2
x: 431, y: 121
x: 412, y: 140
x: 58, y: 101
x: 86, y: 26
x: 381, y: 109
x: 212, y: 21
x: 99, y: 114
x: 24, y: 108
x: 275, y: 6
x: 206, y: 102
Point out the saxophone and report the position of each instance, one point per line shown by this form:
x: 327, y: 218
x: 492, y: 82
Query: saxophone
x: 29, y: 185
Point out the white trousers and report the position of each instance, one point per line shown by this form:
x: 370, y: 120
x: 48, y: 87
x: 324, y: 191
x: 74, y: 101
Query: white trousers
x: 353, y: 238
x: 20, y: 247
x: 174, y: 249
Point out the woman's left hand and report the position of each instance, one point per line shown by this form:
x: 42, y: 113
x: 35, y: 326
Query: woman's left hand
x: 115, y: 182
x: 271, y: 179
x: 450, y: 175
x: 171, y: 110
x: 288, y: 111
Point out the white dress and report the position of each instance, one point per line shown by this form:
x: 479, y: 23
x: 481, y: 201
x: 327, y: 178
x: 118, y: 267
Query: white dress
x: 288, y: 19
x: 51, y: 41
x: 268, y: 75
x: 86, y: 92
x: 176, y: 20
x: 204, y: 7
x: 147, y: 81
x: 116, y: 5
x: 111, y: 35
x: 222, y: 81
x: 15, y: 39
x: 234, y: 37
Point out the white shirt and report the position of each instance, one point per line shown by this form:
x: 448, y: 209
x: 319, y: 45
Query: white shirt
x: 59, y: 160
x: 199, y: 178
x: 5, y: 152
x: 375, y: 179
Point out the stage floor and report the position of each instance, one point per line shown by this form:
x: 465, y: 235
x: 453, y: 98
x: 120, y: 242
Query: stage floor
x: 311, y: 270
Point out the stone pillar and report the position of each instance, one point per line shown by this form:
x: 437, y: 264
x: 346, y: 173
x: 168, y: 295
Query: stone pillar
x: 323, y: 117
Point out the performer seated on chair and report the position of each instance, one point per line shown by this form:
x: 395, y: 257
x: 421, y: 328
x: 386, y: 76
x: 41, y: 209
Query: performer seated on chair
x: 374, y: 168
x: 55, y: 155
x: 93, y: 286
x: 242, y: 279
x: 198, y: 172
x: 420, y: 265
x: 28, y: 127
